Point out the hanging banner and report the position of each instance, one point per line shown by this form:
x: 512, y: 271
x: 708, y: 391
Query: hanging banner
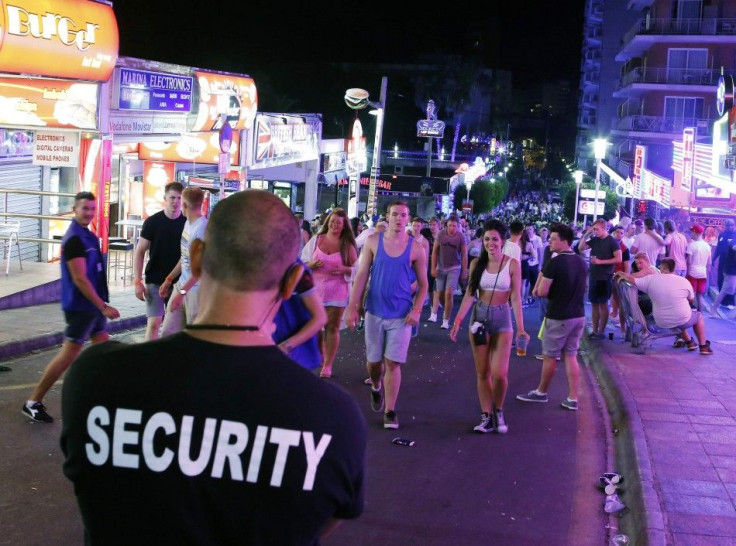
x: 60, y: 38
x: 234, y: 96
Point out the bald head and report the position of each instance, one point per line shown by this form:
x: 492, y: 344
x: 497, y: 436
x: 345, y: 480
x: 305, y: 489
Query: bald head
x: 252, y: 238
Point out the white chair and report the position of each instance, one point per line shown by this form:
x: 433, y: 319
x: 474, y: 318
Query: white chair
x: 9, y: 230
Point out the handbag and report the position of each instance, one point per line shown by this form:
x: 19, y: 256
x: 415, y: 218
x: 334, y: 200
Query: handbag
x: 291, y: 317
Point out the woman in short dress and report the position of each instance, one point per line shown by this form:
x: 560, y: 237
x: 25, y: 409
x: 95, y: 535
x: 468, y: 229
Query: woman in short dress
x: 494, y: 280
x: 331, y: 255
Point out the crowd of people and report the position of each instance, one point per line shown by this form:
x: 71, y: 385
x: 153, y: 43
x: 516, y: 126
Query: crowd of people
x: 218, y: 286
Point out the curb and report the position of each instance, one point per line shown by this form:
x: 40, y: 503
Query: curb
x: 644, y: 520
x: 24, y: 346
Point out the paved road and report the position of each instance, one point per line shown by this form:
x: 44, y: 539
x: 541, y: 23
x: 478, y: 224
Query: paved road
x: 534, y: 485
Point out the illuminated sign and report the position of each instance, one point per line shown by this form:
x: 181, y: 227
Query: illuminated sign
x: 654, y: 188
x: 64, y: 39
x: 639, y: 156
x: 233, y: 96
x: 724, y: 94
x: 142, y: 90
x: 688, y: 143
x: 284, y: 139
x: 193, y: 147
x: 48, y: 103
x: 156, y: 175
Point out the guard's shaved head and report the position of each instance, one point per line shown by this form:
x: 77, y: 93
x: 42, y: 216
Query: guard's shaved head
x: 251, y: 240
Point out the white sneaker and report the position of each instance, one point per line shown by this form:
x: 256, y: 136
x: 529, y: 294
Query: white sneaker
x: 432, y: 317
x: 445, y: 324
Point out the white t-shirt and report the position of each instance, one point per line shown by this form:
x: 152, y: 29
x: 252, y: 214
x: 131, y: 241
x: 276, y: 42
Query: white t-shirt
x: 670, y: 295
x: 646, y: 243
x: 699, y: 252
x: 512, y: 250
x: 192, y: 230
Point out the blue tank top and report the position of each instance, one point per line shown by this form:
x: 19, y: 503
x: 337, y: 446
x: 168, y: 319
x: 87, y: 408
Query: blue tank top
x: 389, y: 293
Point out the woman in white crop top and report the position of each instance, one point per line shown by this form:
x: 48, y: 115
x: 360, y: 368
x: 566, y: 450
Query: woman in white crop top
x: 496, y: 279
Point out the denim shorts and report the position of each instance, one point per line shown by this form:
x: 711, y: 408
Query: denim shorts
x: 447, y: 280
x: 82, y: 325
x: 498, y: 317
x: 155, y: 304
x: 388, y: 338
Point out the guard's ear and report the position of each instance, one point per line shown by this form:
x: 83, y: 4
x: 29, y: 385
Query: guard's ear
x: 196, y: 255
x: 291, y: 279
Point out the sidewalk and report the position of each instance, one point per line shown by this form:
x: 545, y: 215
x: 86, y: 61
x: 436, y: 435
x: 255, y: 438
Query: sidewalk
x: 672, y: 412
x: 673, y: 415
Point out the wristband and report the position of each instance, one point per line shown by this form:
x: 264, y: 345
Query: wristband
x: 169, y: 280
x: 140, y: 282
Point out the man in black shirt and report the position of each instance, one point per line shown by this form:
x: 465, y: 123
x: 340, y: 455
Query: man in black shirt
x: 161, y: 238
x: 213, y: 435
x: 563, y: 283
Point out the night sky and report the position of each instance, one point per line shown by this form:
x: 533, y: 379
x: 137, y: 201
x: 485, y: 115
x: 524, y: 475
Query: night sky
x: 538, y: 39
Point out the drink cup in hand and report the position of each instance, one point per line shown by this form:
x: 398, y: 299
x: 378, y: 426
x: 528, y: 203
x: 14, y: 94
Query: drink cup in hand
x: 522, y: 342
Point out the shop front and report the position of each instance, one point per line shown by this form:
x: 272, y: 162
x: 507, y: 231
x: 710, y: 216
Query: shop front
x: 165, y: 123
x: 51, y: 147
x: 284, y: 158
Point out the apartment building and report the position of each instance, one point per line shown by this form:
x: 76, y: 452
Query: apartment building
x: 668, y: 61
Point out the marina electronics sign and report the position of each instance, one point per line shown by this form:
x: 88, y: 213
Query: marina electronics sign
x: 152, y: 91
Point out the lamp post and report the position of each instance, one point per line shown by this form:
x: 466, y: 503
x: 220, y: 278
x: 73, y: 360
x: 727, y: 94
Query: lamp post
x: 599, y: 151
x: 578, y: 175
x: 357, y: 99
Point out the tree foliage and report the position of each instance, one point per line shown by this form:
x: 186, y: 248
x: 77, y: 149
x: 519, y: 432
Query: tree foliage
x: 568, y: 193
x: 485, y: 195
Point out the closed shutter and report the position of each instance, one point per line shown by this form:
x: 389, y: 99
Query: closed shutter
x: 22, y: 176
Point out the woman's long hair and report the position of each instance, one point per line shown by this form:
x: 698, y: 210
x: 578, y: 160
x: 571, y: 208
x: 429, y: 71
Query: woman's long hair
x: 347, y: 239
x: 482, y: 260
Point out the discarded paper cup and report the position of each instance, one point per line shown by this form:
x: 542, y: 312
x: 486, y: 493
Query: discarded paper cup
x: 610, y: 336
x: 522, y: 343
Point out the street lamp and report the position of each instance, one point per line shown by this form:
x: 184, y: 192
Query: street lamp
x: 357, y: 99
x: 578, y: 175
x: 599, y: 151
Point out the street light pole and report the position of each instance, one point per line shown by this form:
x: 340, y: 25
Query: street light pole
x: 599, y: 150
x: 380, y: 111
x: 578, y: 181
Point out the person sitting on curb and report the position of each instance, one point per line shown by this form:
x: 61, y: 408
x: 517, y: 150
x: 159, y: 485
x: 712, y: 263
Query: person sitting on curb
x: 671, y: 297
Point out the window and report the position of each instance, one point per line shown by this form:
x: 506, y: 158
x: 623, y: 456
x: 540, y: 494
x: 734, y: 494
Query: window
x: 688, y: 9
x: 686, y: 65
x: 686, y: 108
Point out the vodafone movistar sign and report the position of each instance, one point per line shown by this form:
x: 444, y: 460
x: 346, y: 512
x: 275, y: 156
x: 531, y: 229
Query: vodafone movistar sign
x: 74, y: 39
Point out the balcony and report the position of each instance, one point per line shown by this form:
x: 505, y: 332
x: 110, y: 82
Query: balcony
x: 591, y: 57
x: 647, y: 32
x: 660, y: 126
x: 586, y: 121
x: 643, y: 78
x: 590, y: 100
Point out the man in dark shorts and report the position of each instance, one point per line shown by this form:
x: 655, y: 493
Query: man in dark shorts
x: 605, y: 252
x: 563, y: 283
x: 213, y: 435
x: 84, y: 299
x: 161, y: 238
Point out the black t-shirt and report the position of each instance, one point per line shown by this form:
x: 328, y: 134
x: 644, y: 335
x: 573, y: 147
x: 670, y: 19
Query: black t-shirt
x: 566, y: 295
x: 191, y: 442
x: 164, y: 235
x: 603, y: 249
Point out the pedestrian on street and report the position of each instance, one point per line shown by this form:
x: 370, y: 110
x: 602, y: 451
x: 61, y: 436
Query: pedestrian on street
x: 331, y: 255
x: 728, y: 258
x: 84, y: 300
x: 605, y: 252
x: 160, y: 237
x: 676, y: 244
x: 698, y: 264
x: 449, y: 266
x: 495, y: 279
x: 725, y: 240
x: 390, y: 307
x: 672, y: 297
x: 205, y: 436
x: 183, y: 298
x: 563, y: 283
x: 649, y: 241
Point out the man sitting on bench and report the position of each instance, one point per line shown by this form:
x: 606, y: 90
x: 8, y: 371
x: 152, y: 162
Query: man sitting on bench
x: 671, y: 297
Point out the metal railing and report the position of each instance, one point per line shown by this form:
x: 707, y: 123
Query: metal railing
x: 5, y: 213
x: 682, y: 76
x: 660, y: 124
x: 685, y: 27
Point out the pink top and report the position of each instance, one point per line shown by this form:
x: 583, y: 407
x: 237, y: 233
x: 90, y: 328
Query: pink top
x: 332, y: 288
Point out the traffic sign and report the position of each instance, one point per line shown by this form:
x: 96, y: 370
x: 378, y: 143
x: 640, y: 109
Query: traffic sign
x: 588, y: 207
x: 590, y: 194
